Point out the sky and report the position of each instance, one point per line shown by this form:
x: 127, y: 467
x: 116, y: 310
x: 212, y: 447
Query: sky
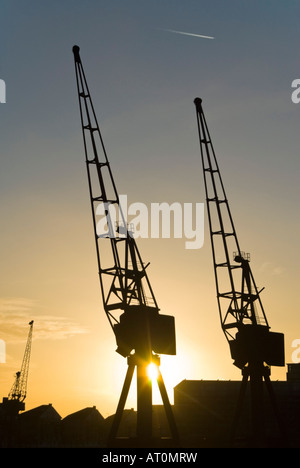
x: 143, y: 78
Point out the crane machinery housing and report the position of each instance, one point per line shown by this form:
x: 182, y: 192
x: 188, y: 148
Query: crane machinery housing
x: 141, y: 332
x: 254, y: 348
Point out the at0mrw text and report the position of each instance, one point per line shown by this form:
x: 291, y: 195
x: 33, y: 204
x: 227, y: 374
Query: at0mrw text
x: 171, y: 457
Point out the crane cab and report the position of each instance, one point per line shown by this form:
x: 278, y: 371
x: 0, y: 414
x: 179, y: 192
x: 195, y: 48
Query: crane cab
x: 142, y: 326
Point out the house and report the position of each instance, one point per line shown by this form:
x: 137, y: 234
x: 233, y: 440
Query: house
x: 39, y: 427
x: 84, y: 428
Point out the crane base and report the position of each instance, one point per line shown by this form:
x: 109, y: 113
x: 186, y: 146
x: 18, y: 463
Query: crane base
x: 11, y: 406
x: 144, y: 436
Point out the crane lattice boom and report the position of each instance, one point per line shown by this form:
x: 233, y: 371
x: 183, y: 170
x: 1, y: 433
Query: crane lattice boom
x: 19, y: 389
x: 242, y: 315
x: 128, y: 298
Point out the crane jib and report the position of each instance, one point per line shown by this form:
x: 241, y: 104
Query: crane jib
x: 125, y: 285
x: 241, y: 311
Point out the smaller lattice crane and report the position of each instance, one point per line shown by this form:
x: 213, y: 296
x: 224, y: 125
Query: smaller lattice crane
x: 14, y: 403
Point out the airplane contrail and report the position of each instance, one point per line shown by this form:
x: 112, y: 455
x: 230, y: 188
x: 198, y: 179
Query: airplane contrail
x: 188, y: 34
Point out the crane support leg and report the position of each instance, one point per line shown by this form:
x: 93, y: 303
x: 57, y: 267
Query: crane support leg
x: 276, y: 411
x: 239, y: 407
x: 257, y: 374
x: 144, y: 404
x: 168, y: 408
x: 122, y: 401
x: 144, y: 435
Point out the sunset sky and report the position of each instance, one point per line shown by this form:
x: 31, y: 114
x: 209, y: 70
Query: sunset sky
x: 143, y: 77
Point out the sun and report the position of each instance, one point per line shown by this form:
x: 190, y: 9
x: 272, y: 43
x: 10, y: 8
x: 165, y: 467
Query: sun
x: 167, y: 373
x: 152, y: 371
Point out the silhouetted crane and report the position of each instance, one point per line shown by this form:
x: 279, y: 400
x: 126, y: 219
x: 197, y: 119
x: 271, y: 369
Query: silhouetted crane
x: 141, y: 332
x: 254, y: 348
x: 15, y: 400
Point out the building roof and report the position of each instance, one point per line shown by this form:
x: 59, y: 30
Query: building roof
x: 84, y: 414
x: 42, y: 411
